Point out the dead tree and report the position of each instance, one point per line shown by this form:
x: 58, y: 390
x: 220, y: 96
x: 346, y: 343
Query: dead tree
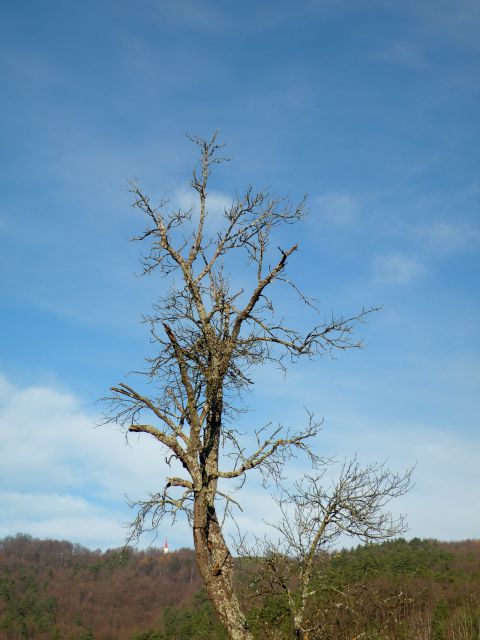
x: 208, y: 336
x: 314, y: 514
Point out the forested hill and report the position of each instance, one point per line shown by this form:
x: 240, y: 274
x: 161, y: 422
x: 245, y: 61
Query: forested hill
x: 57, y: 590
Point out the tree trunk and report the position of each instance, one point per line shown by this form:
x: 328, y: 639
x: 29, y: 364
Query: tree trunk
x: 300, y: 634
x: 216, y: 567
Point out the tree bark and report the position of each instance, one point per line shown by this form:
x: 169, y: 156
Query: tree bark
x: 216, y: 567
x: 300, y: 634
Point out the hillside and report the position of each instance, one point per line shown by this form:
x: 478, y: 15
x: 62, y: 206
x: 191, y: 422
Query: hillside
x: 57, y: 590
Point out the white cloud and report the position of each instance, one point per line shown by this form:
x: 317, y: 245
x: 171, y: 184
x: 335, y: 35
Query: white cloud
x: 443, y: 502
x: 209, y: 18
x: 397, y: 268
x: 338, y: 208
x: 449, y: 237
x: 60, y: 516
x: 452, y: 21
x: 217, y: 202
x: 436, y: 431
x: 62, y: 477
x: 29, y: 68
x: 407, y: 53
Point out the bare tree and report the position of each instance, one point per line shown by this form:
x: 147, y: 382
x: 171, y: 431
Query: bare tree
x: 208, y: 336
x: 313, y: 517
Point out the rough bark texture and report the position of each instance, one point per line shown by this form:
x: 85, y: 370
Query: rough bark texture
x: 217, y: 568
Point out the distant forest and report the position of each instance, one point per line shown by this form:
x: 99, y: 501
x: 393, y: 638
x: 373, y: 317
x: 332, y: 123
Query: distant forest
x: 56, y: 590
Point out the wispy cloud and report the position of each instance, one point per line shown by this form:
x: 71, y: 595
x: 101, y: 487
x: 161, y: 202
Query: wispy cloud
x: 408, y: 53
x: 454, y: 21
x: 62, y: 516
x: 250, y: 18
x: 186, y: 198
x: 28, y: 68
x: 397, y: 268
x: 207, y: 16
x: 449, y: 21
x: 446, y: 236
x: 338, y: 208
x: 63, y: 478
x: 446, y: 475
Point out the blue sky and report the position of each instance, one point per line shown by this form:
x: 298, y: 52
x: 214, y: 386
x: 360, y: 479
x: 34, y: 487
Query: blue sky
x: 369, y: 107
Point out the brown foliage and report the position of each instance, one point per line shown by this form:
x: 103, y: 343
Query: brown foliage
x: 115, y: 593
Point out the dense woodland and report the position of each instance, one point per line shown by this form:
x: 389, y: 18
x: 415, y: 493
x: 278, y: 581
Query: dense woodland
x: 56, y: 590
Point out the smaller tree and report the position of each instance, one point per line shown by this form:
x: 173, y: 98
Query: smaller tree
x: 313, y: 518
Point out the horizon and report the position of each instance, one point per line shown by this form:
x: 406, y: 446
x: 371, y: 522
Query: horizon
x: 330, y: 551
